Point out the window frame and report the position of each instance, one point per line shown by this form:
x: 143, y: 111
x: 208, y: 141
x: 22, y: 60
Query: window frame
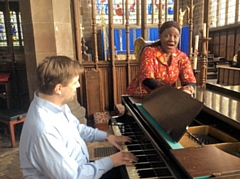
x: 215, y: 21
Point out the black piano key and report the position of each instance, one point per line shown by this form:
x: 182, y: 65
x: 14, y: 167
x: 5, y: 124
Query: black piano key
x: 132, y: 135
x: 135, y: 142
x: 154, y: 173
x: 149, y: 158
x: 139, y: 147
x: 144, y: 152
x: 130, y: 128
x: 150, y: 165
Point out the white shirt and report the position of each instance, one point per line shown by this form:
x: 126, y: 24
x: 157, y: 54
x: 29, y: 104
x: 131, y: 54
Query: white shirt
x: 52, y: 144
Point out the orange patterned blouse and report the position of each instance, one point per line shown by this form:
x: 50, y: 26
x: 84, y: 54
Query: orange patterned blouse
x: 154, y: 65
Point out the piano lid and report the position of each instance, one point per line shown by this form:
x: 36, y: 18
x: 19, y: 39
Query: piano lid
x: 173, y: 109
x: 207, y: 161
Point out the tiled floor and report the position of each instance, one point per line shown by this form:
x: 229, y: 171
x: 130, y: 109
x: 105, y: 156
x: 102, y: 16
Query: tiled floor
x: 9, y: 159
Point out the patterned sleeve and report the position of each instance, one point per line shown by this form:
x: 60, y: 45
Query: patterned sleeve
x: 186, y: 72
x: 146, y: 64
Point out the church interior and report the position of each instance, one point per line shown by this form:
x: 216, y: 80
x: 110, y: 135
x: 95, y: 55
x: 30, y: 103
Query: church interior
x: 101, y: 36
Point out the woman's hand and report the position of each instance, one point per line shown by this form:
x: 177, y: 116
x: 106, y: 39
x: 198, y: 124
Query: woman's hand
x: 188, y: 89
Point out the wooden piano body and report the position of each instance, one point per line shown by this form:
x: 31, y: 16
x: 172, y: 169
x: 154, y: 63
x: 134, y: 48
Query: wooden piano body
x: 210, y: 147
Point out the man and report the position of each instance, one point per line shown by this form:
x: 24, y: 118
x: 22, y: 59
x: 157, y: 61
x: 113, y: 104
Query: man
x: 52, y: 143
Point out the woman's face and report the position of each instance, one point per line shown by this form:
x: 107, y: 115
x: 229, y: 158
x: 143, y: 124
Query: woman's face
x: 169, y: 39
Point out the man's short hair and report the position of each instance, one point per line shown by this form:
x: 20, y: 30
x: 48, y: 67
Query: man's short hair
x: 56, y: 70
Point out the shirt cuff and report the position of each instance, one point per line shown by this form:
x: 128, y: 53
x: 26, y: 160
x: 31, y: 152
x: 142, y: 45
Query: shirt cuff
x: 190, y: 84
x: 106, y: 163
x: 101, y: 135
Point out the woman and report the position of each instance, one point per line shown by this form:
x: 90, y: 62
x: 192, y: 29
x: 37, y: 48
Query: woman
x: 161, y: 63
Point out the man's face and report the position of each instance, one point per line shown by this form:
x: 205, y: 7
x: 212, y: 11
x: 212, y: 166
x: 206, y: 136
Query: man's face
x: 69, y: 91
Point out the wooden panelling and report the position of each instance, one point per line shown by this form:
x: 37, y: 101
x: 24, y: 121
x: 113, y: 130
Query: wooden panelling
x: 223, y: 45
x: 228, y: 75
x: 121, y: 79
x: 211, y: 45
x: 98, y: 90
x: 106, y: 87
x: 225, y: 42
x: 237, y: 40
x: 237, y: 78
x: 216, y: 44
x: 231, y: 77
x: 230, y: 44
x: 93, y: 92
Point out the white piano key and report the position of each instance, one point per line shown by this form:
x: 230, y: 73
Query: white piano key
x: 131, y: 170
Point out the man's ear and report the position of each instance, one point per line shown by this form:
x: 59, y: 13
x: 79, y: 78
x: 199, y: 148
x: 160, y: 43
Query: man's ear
x: 58, y: 89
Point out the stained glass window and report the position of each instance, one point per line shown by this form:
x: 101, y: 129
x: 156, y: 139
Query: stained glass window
x: 119, y: 11
x: 14, y: 29
x: 3, y: 39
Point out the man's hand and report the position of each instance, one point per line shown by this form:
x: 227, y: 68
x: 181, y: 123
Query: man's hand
x: 118, y: 140
x: 123, y: 158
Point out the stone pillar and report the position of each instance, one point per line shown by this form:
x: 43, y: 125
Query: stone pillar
x: 47, y: 31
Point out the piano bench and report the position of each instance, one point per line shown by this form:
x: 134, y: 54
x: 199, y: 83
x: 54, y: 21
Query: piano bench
x: 11, y: 117
x: 101, y: 120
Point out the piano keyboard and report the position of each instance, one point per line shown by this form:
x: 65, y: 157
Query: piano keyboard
x: 150, y: 164
x: 131, y: 170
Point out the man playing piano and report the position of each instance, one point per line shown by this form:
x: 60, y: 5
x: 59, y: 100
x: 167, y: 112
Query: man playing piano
x: 52, y: 143
x: 161, y: 63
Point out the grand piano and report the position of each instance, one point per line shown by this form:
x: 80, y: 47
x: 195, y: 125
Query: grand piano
x: 203, y: 141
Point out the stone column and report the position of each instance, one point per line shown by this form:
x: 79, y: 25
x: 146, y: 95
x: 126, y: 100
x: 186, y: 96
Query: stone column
x: 47, y: 31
